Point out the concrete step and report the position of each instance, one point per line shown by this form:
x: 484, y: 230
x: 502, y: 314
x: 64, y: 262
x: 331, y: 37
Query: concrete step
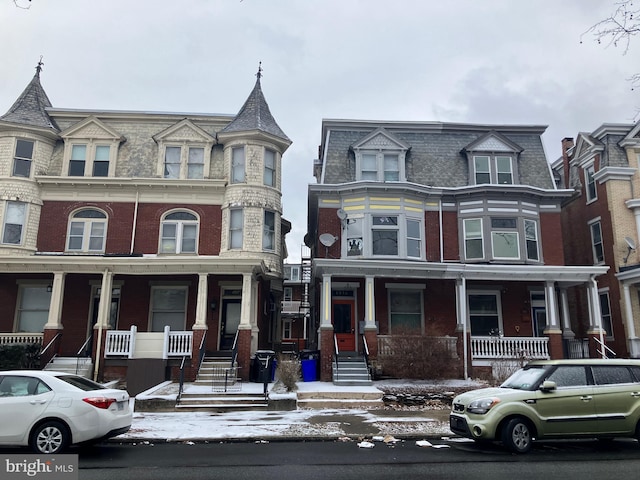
x: 79, y: 366
x: 341, y: 399
x: 221, y: 401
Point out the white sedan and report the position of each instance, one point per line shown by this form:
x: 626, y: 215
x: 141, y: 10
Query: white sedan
x: 48, y: 411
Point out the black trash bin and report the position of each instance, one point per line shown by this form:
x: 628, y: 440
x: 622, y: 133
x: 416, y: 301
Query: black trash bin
x: 262, y: 366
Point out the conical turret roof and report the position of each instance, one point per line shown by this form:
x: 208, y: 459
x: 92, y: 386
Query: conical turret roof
x: 255, y: 115
x: 30, y: 107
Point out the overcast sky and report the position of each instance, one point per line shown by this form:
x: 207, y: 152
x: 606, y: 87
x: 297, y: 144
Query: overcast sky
x: 476, y: 61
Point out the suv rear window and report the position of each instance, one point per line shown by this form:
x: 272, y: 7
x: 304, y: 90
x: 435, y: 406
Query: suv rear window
x: 607, y: 375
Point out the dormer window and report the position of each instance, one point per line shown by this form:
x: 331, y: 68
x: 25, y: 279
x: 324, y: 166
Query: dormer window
x: 187, y: 162
x: 380, y: 157
x: 89, y: 160
x: 493, y: 160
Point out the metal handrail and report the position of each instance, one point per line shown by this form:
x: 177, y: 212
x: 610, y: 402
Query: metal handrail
x: 604, y: 350
x: 201, y: 350
x: 84, y: 345
x: 50, y: 343
x: 336, y: 350
x: 234, y: 349
x: 366, y: 353
x: 181, y: 386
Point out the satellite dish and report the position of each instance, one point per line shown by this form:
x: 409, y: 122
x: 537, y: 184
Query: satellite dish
x: 630, y: 243
x: 341, y: 214
x: 327, y: 239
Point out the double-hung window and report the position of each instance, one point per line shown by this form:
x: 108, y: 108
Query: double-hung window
x: 237, y: 165
x: 179, y: 233
x: 605, y: 311
x: 13, y: 223
x: 89, y: 159
x: 236, y: 222
x: 503, y: 170
x: 269, y: 167
x: 78, y: 160
x: 380, y: 166
x: 101, y: 161
x: 23, y: 158
x: 33, y: 308
x: 531, y: 237
x: 195, y: 162
x: 590, y: 183
x: 405, y: 311
x: 168, y: 308
x: 596, y: 242
x: 484, y: 314
x: 187, y: 162
x: 473, y: 238
x: 414, y: 248
x: 269, y: 231
x: 354, y: 237
x: 87, y: 231
x: 495, y: 170
x: 482, y: 169
x: 384, y: 235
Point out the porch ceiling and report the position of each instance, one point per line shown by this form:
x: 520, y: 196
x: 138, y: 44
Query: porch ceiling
x: 565, y: 275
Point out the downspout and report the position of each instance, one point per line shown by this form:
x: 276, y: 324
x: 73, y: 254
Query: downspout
x: 441, y: 233
x: 135, y: 221
x: 463, y: 313
x: 597, y: 312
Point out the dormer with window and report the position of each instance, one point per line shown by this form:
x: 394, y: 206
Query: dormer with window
x: 493, y: 159
x: 90, y: 149
x: 184, y: 152
x: 380, y: 157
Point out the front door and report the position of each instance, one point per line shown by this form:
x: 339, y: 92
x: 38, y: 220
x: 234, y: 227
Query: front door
x: 344, y: 325
x: 230, y: 322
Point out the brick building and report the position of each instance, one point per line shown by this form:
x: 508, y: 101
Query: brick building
x: 601, y: 224
x: 426, y: 233
x: 129, y: 235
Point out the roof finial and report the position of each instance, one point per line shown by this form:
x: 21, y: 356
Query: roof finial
x: 259, y: 74
x: 39, y: 67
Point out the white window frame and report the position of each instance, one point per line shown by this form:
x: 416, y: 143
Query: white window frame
x: 7, y: 220
x: 491, y: 170
x: 270, y: 159
x: 153, y: 327
x: 475, y: 237
x: 238, y: 164
x: 90, y: 160
x: 185, y: 165
x: 391, y: 227
x: 287, y: 328
x: 236, y: 228
x: 417, y: 240
x: 590, y: 187
x: 405, y: 289
x: 500, y: 173
x: 528, y: 238
x: 41, y: 310
x: 498, y: 313
x: 605, y: 306
x: 378, y: 171
x: 269, y: 231
x: 179, y: 237
x: 596, y: 222
x: 505, y: 232
x: 20, y: 159
x: 89, y: 225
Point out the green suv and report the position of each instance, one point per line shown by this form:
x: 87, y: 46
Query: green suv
x: 553, y: 399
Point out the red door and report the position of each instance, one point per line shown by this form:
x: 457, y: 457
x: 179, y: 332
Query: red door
x: 344, y: 325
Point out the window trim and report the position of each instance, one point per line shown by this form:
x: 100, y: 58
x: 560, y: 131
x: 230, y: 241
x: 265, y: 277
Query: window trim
x: 179, y: 233
x: 25, y: 160
x: 479, y: 237
x: 90, y: 161
x: 596, y: 222
x: 23, y: 225
x: 269, y: 169
x: 493, y: 171
x: 237, y: 229
x: 605, y: 293
x: 269, y: 231
x: 590, y: 187
x: 380, y: 164
x: 87, y: 234
x: 238, y: 164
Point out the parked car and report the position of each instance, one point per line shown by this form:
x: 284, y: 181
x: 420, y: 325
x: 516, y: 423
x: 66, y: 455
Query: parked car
x: 48, y: 411
x: 548, y: 399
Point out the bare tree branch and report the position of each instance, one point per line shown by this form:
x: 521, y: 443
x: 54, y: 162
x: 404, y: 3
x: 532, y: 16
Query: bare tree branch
x: 619, y: 28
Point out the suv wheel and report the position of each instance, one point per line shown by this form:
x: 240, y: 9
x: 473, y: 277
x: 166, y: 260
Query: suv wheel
x: 516, y: 435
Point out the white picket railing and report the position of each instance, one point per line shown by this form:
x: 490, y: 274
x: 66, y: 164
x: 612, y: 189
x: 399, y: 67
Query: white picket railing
x: 509, y: 347
x: 122, y: 343
x: 20, y: 338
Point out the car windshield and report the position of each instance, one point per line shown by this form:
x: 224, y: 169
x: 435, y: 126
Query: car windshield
x: 81, y: 382
x: 525, y: 378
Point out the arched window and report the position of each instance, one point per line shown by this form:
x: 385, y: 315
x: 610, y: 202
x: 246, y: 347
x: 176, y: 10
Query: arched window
x: 179, y: 233
x: 87, y: 231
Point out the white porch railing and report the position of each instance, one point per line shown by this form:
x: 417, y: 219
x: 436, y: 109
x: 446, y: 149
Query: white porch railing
x: 20, y: 338
x: 509, y: 347
x: 291, y: 306
x: 122, y: 343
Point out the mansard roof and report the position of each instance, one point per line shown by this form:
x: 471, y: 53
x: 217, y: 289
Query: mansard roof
x: 256, y: 116
x: 30, y: 107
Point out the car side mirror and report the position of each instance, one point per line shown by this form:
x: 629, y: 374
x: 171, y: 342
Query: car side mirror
x: 548, y: 386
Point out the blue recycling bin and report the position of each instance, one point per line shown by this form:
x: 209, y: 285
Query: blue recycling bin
x: 309, y: 370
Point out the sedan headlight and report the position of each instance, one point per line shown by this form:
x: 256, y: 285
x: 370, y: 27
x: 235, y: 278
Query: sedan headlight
x: 482, y: 405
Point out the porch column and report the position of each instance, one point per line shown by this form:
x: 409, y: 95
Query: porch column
x: 102, y: 322
x: 553, y: 328
x: 201, y: 302
x: 54, y: 320
x: 595, y: 320
x: 461, y: 325
x: 567, y: 332
x: 370, y: 329
x: 634, y: 342
x: 325, y: 334
x: 244, y: 329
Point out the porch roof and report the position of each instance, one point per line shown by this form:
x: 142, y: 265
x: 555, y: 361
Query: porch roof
x: 563, y: 274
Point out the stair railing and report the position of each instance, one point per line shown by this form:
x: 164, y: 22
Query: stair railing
x: 234, y: 349
x: 181, y: 385
x: 44, y: 359
x: 365, y: 350
x: 603, y: 350
x: 336, y: 351
x: 201, y: 350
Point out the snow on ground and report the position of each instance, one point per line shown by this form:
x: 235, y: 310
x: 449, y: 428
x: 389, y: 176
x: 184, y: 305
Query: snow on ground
x: 301, y: 423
